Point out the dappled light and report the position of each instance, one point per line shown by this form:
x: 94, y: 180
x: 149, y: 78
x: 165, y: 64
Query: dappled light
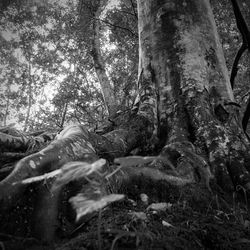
x: 124, y: 124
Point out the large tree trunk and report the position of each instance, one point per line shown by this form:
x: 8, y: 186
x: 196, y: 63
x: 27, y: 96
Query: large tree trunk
x: 180, y: 47
x: 185, y: 99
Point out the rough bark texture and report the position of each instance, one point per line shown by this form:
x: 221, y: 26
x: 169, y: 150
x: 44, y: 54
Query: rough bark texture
x: 74, y: 143
x: 185, y: 100
x: 12, y: 140
x: 182, y: 47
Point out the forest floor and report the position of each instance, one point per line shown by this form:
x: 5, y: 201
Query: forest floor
x: 156, y: 216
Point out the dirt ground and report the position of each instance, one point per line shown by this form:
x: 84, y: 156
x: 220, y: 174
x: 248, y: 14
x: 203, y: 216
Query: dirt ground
x: 154, y: 216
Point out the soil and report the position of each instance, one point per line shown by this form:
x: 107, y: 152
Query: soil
x: 154, y: 216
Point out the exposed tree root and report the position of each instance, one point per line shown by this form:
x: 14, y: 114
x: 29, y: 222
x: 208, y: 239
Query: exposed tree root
x: 178, y: 165
x: 11, y: 140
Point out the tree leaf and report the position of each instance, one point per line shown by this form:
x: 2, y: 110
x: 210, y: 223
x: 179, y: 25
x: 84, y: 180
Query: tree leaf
x: 41, y: 177
x: 84, y: 205
x: 77, y: 170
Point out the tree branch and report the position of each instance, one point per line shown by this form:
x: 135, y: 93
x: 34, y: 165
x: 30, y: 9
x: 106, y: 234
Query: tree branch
x: 126, y: 12
x: 235, y: 64
x: 241, y: 23
x: 117, y: 26
x: 242, y: 26
x: 133, y: 7
x: 246, y: 116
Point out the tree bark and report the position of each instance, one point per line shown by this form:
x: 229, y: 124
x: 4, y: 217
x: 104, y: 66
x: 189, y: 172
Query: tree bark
x: 65, y: 109
x: 99, y: 65
x: 185, y: 100
x: 180, y: 45
x: 27, y: 117
x: 7, y: 107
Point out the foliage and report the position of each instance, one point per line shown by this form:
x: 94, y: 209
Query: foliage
x: 85, y: 205
x: 52, y: 39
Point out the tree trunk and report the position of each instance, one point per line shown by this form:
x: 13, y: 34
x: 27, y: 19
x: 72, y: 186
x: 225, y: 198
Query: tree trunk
x: 180, y: 45
x: 65, y: 109
x: 99, y: 65
x: 7, y: 107
x: 185, y: 100
x: 27, y: 117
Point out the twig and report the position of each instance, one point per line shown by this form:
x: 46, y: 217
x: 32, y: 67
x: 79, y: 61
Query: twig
x: 133, y: 7
x: 126, y: 12
x: 117, y: 26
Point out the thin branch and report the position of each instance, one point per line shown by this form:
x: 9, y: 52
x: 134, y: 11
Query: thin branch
x: 242, y: 26
x: 126, y: 12
x: 241, y: 23
x: 133, y: 7
x: 117, y: 26
x: 235, y: 64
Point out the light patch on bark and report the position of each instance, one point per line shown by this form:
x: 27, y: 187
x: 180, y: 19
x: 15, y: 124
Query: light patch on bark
x: 122, y: 143
x: 170, y: 5
x: 166, y: 88
x: 224, y: 143
x: 144, y: 110
x: 80, y: 148
x: 202, y: 59
x: 193, y: 64
x: 32, y: 164
x: 72, y: 129
x: 219, y: 51
x: 77, y: 148
x: 90, y: 146
x: 49, y: 147
x: 222, y: 148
